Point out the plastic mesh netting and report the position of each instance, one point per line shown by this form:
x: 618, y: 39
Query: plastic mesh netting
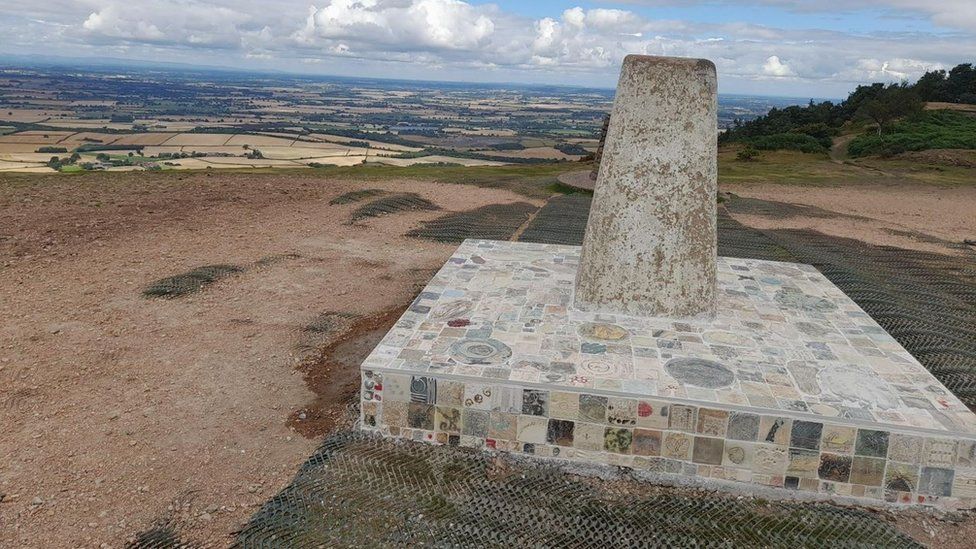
x: 494, y: 222
x: 561, y: 221
x: 394, y: 203
x: 364, y: 491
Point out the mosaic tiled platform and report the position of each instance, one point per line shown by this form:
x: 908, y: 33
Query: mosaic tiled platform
x: 792, y: 385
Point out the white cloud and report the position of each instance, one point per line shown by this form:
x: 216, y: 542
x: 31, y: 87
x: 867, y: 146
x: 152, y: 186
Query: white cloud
x: 774, y: 67
x: 410, y: 24
x: 193, y: 23
x: 459, y: 39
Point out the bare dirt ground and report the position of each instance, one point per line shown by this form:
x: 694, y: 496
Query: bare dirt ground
x: 118, y: 410
x: 906, y: 216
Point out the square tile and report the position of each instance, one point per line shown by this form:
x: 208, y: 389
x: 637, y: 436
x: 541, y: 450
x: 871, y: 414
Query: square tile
x: 560, y: 432
x: 592, y: 408
x: 708, y: 450
x: 618, y: 440
x: 447, y: 419
x: 901, y: 477
x: 475, y: 423
x: 535, y: 402
x: 871, y: 443
x: 532, y: 429
x: 743, y: 426
x: 833, y: 467
x: 936, y: 481
x: 676, y: 445
x: 838, y: 439
x: 423, y: 390
x: 394, y: 414
x: 966, y: 454
x: 806, y: 435
x: 775, y: 430
x: 867, y: 471
x: 564, y: 405
x: 939, y: 452
x: 622, y: 411
x: 589, y: 436
x: 647, y: 442
x: 476, y: 395
x: 712, y: 422
x: 803, y: 463
x: 396, y: 388
x: 502, y: 425
x: 682, y: 417
x: 964, y: 483
x: 420, y: 416
x: 770, y: 459
x: 739, y: 454
x: 905, y: 448
x: 652, y: 414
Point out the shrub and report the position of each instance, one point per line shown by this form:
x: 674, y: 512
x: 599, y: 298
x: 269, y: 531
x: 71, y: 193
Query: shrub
x: 747, y: 154
x: 788, y: 141
x: 572, y: 148
x: 928, y: 130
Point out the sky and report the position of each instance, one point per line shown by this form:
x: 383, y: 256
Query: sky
x: 798, y: 48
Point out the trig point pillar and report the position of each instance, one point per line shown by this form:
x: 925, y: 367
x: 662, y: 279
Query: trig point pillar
x: 650, y: 244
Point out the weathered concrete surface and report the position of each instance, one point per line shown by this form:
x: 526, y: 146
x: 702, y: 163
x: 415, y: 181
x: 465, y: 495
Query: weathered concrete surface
x: 650, y: 244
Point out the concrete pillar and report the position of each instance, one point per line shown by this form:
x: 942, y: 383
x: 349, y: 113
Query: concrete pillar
x: 650, y: 244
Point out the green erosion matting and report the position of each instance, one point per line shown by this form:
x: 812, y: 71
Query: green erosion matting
x: 360, y: 490
x: 494, y: 221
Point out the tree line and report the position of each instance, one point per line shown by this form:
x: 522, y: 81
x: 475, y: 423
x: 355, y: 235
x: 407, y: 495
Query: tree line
x: 811, y: 128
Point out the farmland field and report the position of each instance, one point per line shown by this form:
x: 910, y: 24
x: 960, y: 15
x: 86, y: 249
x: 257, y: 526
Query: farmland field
x: 180, y: 121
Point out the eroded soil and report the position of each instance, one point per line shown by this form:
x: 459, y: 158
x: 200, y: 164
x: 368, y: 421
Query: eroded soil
x: 120, y: 411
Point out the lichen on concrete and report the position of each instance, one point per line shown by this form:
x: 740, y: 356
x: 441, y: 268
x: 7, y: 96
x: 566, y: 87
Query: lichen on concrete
x: 650, y: 244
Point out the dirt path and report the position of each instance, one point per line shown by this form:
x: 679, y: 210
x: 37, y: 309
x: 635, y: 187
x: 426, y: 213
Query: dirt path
x: 838, y: 151
x: 119, y: 411
x: 921, y: 217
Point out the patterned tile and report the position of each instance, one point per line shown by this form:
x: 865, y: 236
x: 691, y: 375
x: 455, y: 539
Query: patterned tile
x: 743, y: 426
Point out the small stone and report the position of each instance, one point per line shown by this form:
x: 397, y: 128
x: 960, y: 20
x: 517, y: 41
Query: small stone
x: 37, y: 501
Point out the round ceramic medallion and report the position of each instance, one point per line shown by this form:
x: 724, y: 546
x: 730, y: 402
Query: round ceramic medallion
x: 597, y: 367
x: 700, y: 372
x: 480, y: 351
x: 602, y: 331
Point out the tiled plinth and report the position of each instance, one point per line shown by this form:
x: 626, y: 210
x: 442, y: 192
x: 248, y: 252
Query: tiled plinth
x: 792, y: 385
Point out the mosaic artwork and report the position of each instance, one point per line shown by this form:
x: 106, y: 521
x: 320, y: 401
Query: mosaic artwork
x: 790, y: 385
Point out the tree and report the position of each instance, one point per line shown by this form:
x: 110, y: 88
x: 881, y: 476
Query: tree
x: 893, y: 102
x: 932, y: 86
x: 961, y: 81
